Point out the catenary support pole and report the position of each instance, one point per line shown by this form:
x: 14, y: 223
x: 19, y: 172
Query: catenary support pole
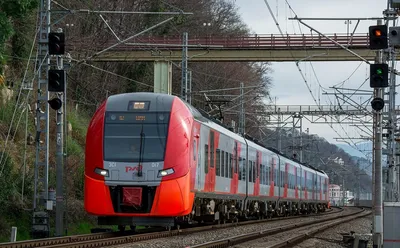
x: 184, y: 81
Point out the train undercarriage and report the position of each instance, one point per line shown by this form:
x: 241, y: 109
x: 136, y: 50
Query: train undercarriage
x: 227, y: 210
x: 218, y: 211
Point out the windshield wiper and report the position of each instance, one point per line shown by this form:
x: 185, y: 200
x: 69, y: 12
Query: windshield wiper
x: 141, y: 151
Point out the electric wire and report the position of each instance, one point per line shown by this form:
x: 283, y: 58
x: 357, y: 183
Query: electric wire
x: 18, y: 99
x: 317, y: 77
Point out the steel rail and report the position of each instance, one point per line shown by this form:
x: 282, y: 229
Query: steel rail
x: 234, y: 240
x: 115, y: 238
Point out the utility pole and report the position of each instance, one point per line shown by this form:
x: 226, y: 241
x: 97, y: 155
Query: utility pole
x: 378, y: 174
x: 41, y: 203
x: 279, y: 138
x: 189, y: 92
x: 392, y: 125
x: 60, y: 160
x: 184, y: 82
x: 241, y: 129
x: 297, y: 128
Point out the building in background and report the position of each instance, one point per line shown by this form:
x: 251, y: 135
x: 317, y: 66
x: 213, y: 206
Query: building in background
x: 336, y: 196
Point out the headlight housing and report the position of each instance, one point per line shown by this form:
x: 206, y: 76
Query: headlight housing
x: 166, y: 172
x: 101, y: 172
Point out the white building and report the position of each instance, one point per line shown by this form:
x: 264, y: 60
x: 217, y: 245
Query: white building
x: 336, y: 195
x: 337, y: 160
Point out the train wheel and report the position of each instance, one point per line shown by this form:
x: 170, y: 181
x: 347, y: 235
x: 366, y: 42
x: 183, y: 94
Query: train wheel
x: 121, y: 228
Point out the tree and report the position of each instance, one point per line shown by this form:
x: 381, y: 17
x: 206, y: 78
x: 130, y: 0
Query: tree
x: 12, y: 14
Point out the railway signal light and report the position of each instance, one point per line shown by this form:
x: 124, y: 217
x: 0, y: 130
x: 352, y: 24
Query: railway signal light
x: 56, y: 80
x: 394, y: 36
x: 377, y: 103
x: 378, y: 76
x: 378, y: 37
x: 56, y: 43
x: 55, y: 103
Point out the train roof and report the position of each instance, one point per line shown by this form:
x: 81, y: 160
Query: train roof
x: 204, y: 117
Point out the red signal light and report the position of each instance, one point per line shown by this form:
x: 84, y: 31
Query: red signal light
x: 378, y: 32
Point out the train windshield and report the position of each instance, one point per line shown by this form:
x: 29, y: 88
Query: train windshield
x: 135, y: 137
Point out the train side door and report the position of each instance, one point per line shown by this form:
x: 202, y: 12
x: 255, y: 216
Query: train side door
x: 203, y: 159
x: 234, y: 169
x: 210, y: 163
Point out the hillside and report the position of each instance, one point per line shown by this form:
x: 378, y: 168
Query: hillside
x: 321, y: 154
x: 17, y: 168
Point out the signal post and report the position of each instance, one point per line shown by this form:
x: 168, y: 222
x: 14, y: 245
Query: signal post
x: 51, y: 78
x: 378, y: 81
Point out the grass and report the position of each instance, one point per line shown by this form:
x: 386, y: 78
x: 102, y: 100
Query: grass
x: 75, y: 147
x: 6, y: 112
x: 79, y: 122
x: 23, y: 224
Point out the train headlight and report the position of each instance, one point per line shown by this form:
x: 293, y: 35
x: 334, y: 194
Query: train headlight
x: 101, y: 172
x: 163, y: 173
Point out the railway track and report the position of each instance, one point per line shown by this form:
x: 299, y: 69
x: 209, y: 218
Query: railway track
x: 117, y: 238
x: 301, y: 232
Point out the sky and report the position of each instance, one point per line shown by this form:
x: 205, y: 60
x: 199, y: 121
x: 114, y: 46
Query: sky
x: 289, y: 87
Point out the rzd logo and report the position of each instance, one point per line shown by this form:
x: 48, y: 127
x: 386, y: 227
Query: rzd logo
x: 133, y: 168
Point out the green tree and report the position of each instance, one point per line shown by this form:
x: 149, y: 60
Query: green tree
x: 12, y: 12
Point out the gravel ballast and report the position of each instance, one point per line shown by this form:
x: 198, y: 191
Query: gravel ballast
x: 202, y: 237
x: 332, y: 238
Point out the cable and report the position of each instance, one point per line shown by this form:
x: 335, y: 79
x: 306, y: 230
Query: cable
x: 25, y: 151
x: 19, y: 97
x: 318, y: 79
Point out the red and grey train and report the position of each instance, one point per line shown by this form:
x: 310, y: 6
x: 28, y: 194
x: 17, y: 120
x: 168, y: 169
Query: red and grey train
x: 154, y: 160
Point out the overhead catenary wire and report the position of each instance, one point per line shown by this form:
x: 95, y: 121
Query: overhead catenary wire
x: 313, y: 66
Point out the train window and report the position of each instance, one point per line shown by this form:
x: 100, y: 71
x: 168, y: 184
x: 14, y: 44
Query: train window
x: 124, y: 141
x: 194, y: 150
x: 262, y: 174
x: 206, y: 159
x: 227, y: 166
x: 212, y: 149
x: 266, y: 169
x: 222, y: 164
x: 254, y: 171
x: 250, y: 171
x: 232, y: 164
x: 293, y: 181
x: 266, y: 174
x: 242, y: 169
x: 218, y: 162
